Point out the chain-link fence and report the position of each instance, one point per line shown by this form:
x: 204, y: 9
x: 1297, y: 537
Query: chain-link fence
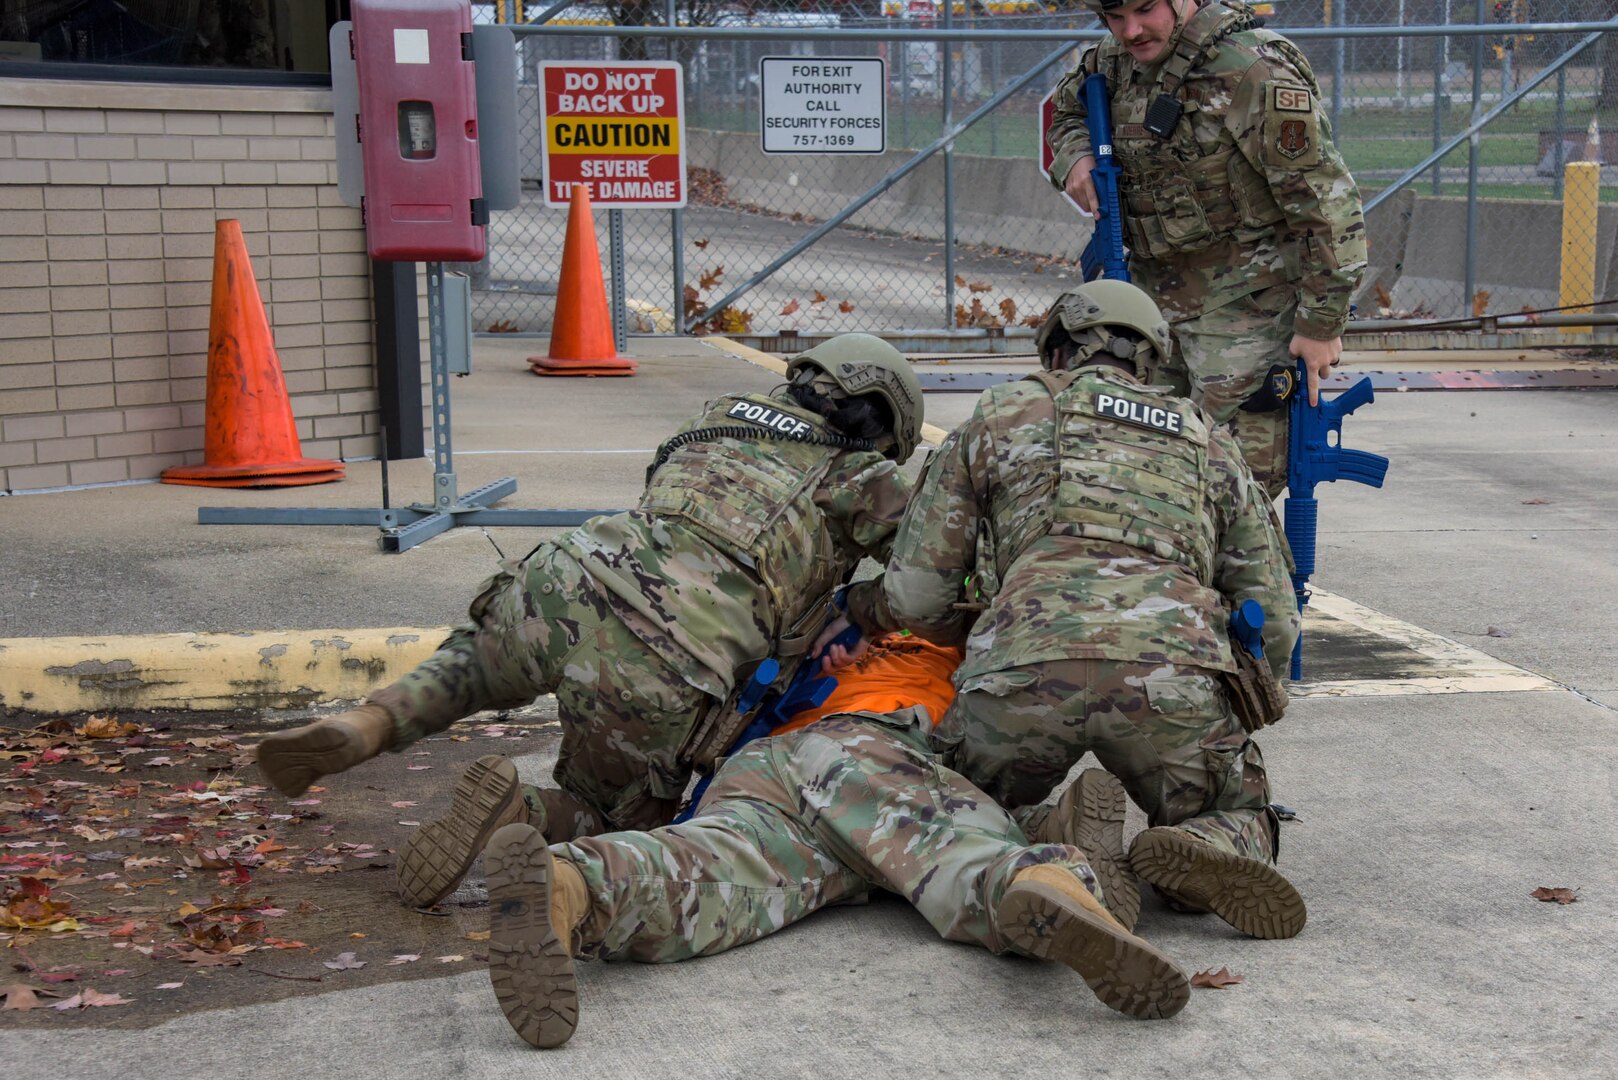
x: 1480, y: 230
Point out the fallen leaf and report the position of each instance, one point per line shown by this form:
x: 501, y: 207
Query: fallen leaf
x: 1557, y: 895
x: 960, y: 282
x: 1536, y: 502
x: 1480, y: 303
x: 846, y: 306
x: 1215, y: 980
x: 710, y: 278
x: 401, y: 805
x: 791, y: 306
x: 699, y: 244
x: 1495, y: 631
x: 105, y: 726
x: 417, y: 768
x: 456, y: 958
x: 344, y: 962
x: 503, y: 326
x: 20, y: 997
x: 89, y: 998
x: 1008, y: 310
x: 404, y: 958
x: 1383, y: 297
x: 979, y: 286
x: 359, y: 935
x: 283, y: 943
x: 819, y: 297
x: 477, y: 935
x: 170, y: 986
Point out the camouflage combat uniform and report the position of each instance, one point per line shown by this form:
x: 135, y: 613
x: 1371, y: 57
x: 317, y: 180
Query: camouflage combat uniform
x: 1243, y: 224
x: 640, y: 621
x: 855, y: 802
x: 1106, y: 550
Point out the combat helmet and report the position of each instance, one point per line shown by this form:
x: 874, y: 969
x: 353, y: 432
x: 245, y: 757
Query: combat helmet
x: 856, y: 364
x: 1081, y: 317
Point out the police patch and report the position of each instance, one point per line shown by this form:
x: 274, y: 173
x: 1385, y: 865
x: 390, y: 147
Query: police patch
x: 771, y: 419
x: 1292, y: 139
x: 1140, y: 414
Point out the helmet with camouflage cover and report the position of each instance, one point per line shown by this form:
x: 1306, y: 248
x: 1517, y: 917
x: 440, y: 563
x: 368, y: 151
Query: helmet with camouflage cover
x: 851, y: 365
x: 1081, y: 317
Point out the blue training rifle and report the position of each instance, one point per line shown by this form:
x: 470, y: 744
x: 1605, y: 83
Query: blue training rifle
x: 1315, y: 454
x: 1104, y: 255
x: 807, y: 690
x: 1247, y: 628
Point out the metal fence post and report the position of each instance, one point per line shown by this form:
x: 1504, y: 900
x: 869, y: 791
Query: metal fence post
x: 1440, y: 100
x: 676, y: 217
x: 615, y: 244
x: 949, y: 170
x: 1336, y: 16
x: 1473, y: 146
x: 1559, y: 157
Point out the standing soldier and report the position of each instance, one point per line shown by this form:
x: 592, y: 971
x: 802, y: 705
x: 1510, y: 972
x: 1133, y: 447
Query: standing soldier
x: 1106, y: 526
x: 1241, y: 218
x: 646, y: 623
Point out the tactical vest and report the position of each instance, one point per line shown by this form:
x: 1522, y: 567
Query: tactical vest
x: 1181, y: 194
x: 1126, y: 481
x: 754, y: 500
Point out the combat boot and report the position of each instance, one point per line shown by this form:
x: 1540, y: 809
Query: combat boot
x: 1048, y: 913
x: 438, y: 855
x: 536, y: 905
x: 1090, y: 817
x: 1249, y: 894
x: 292, y: 760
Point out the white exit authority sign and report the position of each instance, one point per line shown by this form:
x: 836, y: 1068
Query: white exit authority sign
x: 823, y: 104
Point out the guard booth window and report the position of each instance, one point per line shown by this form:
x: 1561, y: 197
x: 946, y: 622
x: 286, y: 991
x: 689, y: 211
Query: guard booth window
x: 224, y: 41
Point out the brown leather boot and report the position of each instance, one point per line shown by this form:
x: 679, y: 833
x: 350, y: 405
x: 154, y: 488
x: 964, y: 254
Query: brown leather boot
x: 536, y: 905
x: 1048, y: 913
x: 1090, y: 817
x: 1249, y: 894
x: 439, y: 854
x: 292, y: 760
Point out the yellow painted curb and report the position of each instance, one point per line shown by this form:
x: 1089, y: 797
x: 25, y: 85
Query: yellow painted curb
x: 206, y: 672
x: 932, y: 433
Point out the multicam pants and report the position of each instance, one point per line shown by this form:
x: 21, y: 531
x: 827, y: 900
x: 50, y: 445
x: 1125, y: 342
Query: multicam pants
x: 1166, y: 732
x: 1223, y: 356
x: 796, y: 822
x: 540, y: 627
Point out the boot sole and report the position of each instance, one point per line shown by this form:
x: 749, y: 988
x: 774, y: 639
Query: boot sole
x: 1124, y: 972
x: 1250, y: 895
x: 1101, y: 837
x: 438, y: 855
x: 292, y: 760
x: 530, y: 969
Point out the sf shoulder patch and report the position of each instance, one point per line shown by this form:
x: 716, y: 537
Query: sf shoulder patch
x: 773, y: 419
x: 1140, y: 414
x: 1291, y: 127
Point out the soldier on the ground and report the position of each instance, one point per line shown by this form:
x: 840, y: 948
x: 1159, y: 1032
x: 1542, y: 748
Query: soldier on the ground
x: 1105, y: 526
x: 1241, y: 218
x: 829, y: 809
x: 645, y: 623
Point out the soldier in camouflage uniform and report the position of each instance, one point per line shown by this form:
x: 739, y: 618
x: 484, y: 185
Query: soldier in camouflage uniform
x: 1241, y: 219
x: 1107, y: 524
x: 645, y: 623
x: 852, y: 803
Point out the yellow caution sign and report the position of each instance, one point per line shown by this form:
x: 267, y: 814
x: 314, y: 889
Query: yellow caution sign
x: 612, y: 135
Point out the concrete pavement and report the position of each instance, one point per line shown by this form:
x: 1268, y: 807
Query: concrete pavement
x: 1426, y: 819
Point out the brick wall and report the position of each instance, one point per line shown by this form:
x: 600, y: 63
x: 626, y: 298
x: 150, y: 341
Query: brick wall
x: 108, y: 197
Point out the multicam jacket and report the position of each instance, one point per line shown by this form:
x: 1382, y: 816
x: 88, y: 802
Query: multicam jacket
x: 738, y: 541
x: 1099, y: 519
x: 1246, y: 192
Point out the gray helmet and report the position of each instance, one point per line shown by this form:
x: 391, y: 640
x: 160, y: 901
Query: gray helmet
x: 862, y: 364
x: 1095, y: 306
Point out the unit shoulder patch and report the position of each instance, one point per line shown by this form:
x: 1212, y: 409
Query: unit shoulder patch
x: 1139, y: 413
x: 1291, y: 127
x: 772, y: 419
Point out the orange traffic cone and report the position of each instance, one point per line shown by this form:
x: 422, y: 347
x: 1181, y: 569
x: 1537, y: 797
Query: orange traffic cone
x: 250, y: 438
x: 581, y: 332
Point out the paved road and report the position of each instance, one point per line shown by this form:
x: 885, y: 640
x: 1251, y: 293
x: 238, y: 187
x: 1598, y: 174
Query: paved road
x: 1427, y: 818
